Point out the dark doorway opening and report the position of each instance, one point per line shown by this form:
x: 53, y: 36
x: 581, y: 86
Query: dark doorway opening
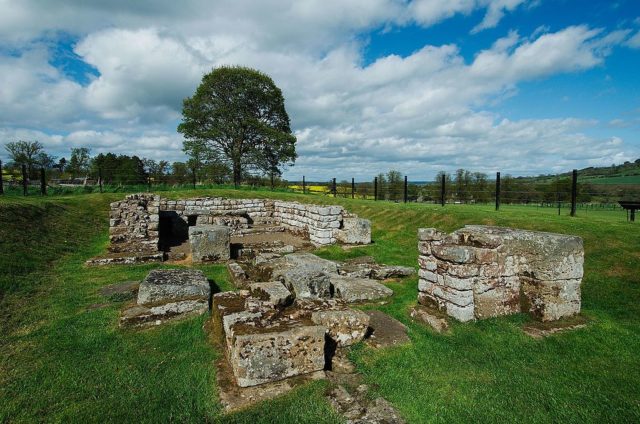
x: 174, y: 231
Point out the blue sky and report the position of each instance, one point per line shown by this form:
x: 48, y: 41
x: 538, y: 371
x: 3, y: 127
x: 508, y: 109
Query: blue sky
x: 520, y: 86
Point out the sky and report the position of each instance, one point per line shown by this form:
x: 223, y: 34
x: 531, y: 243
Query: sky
x: 524, y: 87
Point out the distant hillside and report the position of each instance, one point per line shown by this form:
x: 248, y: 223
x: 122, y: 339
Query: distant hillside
x: 626, y: 173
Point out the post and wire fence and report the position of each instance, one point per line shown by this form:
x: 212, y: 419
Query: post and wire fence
x: 566, y: 193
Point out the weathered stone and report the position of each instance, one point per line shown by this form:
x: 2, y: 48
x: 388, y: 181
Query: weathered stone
x: 121, y: 291
x: 431, y: 317
x: 140, y: 315
x: 209, y: 243
x: 353, y: 289
x: 392, y: 271
x: 430, y: 234
x: 345, y: 327
x: 239, y: 277
x: 166, y: 285
x: 274, y: 292
x: 504, y: 270
x: 305, y: 274
x: 354, y: 231
x: 551, y: 300
x: 264, y: 357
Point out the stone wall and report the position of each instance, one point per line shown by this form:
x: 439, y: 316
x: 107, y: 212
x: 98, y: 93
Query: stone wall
x: 135, y: 220
x: 480, y: 271
x: 133, y: 224
x: 319, y: 223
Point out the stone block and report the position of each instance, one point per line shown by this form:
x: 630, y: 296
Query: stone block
x: 169, y: 285
x: 352, y: 289
x: 551, y: 300
x: 354, y: 231
x: 264, y: 357
x: 209, y: 243
x: 345, y: 327
x: 273, y: 292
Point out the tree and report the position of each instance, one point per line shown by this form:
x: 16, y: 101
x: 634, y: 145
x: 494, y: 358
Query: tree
x: 24, y: 152
x: 80, y: 160
x: 395, y: 184
x: 237, y: 115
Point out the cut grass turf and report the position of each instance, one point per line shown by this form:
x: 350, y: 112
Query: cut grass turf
x: 63, y: 360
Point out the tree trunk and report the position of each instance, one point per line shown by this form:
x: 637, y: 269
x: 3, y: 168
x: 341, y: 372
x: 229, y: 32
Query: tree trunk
x: 237, y: 173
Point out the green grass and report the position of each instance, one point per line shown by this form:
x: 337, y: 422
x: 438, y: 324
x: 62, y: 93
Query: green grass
x: 622, y: 179
x: 61, y: 360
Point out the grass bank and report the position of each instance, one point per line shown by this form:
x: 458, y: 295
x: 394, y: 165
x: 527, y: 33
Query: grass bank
x: 62, y: 357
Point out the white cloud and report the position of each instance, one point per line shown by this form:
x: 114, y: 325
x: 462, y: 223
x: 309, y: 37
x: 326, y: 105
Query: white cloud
x: 419, y: 113
x: 634, y: 42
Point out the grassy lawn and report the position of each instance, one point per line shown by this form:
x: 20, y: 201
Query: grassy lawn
x: 63, y: 360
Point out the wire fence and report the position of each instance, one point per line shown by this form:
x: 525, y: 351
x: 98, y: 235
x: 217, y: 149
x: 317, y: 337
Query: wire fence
x: 562, y: 193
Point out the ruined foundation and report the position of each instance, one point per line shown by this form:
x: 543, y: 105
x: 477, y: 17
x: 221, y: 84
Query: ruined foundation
x: 142, y: 226
x: 481, y: 271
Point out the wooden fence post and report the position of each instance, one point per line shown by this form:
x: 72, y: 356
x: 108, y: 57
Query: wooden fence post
x: 1, y: 182
x: 148, y: 183
x: 497, y: 190
x: 375, y: 188
x: 333, y: 187
x: 304, y: 185
x: 353, y: 188
x: 100, y: 178
x: 574, y: 192
x: 405, y: 189
x: 194, y: 178
x: 24, y: 180
x: 43, y: 183
x: 442, y: 189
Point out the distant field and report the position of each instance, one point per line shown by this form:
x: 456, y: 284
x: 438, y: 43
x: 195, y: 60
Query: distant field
x: 63, y: 358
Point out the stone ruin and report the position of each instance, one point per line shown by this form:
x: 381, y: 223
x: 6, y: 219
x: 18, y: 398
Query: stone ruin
x: 147, y: 228
x: 289, y: 322
x: 482, y: 271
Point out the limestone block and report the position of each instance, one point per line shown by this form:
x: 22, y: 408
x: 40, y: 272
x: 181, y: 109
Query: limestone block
x: 273, y: 292
x: 209, y: 242
x: 264, y: 357
x: 352, y: 289
x: 551, y: 300
x: 345, y: 327
x: 354, y: 231
x: 430, y: 234
x: 457, y: 254
x: 167, y: 285
x: 306, y: 283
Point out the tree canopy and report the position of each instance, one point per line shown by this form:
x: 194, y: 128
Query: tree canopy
x: 237, y: 117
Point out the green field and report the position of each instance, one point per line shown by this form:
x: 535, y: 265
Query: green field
x: 622, y: 179
x: 64, y: 360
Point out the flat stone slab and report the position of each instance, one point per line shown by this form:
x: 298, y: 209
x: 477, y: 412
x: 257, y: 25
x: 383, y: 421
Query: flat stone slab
x: 387, y: 331
x: 273, y: 292
x: 141, y: 316
x: 431, y: 317
x: 357, y: 407
x: 366, y: 267
x: 132, y: 258
x: 345, y: 327
x: 353, y: 289
x: 540, y: 330
x: 166, y: 285
x: 306, y: 275
x: 210, y: 243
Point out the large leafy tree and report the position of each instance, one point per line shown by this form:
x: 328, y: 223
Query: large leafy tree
x: 80, y: 161
x: 237, y: 116
x: 25, y: 152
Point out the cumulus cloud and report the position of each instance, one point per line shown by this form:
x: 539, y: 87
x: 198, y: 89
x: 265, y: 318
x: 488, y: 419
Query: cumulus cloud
x: 419, y: 113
